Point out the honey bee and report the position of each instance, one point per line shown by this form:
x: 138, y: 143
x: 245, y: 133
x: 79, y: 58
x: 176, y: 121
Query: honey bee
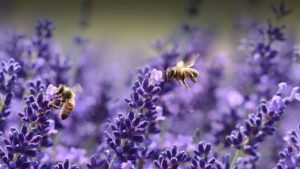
x: 66, y: 100
x: 183, y: 70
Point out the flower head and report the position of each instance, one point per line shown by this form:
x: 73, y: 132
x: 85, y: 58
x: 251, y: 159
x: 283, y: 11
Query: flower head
x: 171, y: 157
x: 261, y: 124
x: 50, y: 93
x: 156, y: 77
x: 127, y: 165
x: 290, y: 156
x: 65, y: 165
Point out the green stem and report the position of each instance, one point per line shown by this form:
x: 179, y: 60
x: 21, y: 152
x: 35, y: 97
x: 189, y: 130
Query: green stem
x: 122, y: 145
x: 3, y: 94
x: 29, y: 128
x: 123, y: 142
x: 137, y: 112
x: 2, y: 101
x: 16, y: 157
x: 111, y: 163
x: 236, y: 156
x: 238, y: 153
x: 17, y: 154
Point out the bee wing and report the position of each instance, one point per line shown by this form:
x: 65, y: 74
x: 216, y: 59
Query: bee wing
x: 191, y: 61
x: 180, y: 64
x: 77, y: 88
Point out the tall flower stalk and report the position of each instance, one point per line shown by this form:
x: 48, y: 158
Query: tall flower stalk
x: 261, y: 124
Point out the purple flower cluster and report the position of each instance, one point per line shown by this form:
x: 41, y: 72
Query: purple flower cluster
x: 22, y: 146
x: 262, y: 123
x: 144, y: 97
x: 289, y: 157
x: 128, y: 133
x: 97, y: 162
x: 170, y: 158
x: 200, y: 159
x: 8, y: 78
x: 65, y: 165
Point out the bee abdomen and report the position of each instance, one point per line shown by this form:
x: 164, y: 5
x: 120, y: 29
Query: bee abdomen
x: 69, y: 106
x: 194, y: 72
x: 66, y: 110
x: 64, y: 116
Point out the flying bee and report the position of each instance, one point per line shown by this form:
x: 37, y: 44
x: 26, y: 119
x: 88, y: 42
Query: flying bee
x: 183, y: 70
x: 66, y: 100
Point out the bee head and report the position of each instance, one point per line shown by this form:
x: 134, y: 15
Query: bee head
x: 68, y: 95
x: 170, y: 73
x: 60, y: 89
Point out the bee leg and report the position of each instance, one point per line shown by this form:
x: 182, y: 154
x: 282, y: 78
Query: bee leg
x: 183, y: 77
x: 192, y: 77
x: 54, y: 106
x: 179, y: 82
x: 186, y: 85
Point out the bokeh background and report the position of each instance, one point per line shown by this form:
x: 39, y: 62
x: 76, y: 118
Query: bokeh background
x: 123, y: 30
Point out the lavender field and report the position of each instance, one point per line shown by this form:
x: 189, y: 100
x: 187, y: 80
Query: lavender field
x: 192, y: 92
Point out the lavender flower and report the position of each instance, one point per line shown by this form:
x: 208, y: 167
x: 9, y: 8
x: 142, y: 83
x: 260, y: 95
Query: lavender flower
x: 266, y: 64
x: 65, y: 165
x: 226, y: 114
x: 61, y: 69
x: 44, y: 28
x: 24, y: 144
x: 37, y: 113
x: 156, y: 77
x: 97, y: 162
x: 261, y: 124
x: 289, y: 157
x: 144, y: 97
x: 8, y: 78
x: 200, y: 159
x: 170, y: 158
x: 193, y: 7
x: 85, y: 13
x: 128, y: 136
x: 20, y: 148
x: 280, y: 10
x: 127, y: 165
x: 35, y: 87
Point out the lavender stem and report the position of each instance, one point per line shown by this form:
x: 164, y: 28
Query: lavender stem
x: 137, y: 112
x: 236, y: 156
